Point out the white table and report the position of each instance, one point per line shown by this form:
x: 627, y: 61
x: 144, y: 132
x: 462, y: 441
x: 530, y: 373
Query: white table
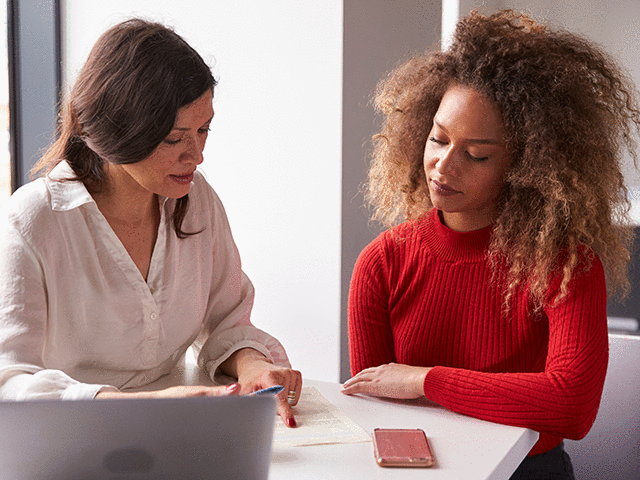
x: 464, y: 448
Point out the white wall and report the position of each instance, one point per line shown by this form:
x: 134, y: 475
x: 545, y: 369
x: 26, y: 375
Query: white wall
x: 274, y: 151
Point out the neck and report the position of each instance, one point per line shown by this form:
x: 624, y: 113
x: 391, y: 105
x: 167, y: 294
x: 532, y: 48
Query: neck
x: 460, y: 222
x: 124, y: 201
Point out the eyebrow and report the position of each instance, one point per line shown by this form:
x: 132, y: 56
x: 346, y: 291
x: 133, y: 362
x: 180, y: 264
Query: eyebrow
x: 184, y: 129
x: 479, y: 141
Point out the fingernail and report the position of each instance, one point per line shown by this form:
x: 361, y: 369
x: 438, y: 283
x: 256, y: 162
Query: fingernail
x: 233, y: 387
x: 292, y: 422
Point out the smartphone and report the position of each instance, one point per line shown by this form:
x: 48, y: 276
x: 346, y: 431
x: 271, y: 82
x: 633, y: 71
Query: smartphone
x: 401, y: 447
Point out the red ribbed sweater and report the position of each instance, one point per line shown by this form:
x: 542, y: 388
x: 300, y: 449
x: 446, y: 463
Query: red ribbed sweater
x: 422, y: 295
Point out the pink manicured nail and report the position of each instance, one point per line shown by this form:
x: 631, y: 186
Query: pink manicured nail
x: 232, y: 388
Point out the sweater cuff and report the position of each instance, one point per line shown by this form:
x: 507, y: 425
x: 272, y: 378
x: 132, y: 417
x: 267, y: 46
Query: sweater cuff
x: 435, y: 385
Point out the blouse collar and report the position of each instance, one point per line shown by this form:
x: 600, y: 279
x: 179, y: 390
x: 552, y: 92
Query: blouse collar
x: 68, y: 193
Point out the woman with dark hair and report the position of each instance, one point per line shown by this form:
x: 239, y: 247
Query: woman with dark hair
x: 498, y: 169
x: 120, y: 257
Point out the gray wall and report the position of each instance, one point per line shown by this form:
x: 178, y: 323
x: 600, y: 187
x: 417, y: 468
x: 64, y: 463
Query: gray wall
x: 377, y: 35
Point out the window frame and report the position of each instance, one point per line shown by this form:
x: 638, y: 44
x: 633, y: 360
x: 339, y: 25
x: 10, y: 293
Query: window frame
x: 35, y: 81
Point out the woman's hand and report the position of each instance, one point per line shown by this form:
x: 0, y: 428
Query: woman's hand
x: 392, y: 380
x: 255, y: 372
x: 176, y: 392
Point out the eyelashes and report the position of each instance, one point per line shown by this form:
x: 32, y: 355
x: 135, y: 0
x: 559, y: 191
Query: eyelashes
x: 201, y: 131
x: 471, y: 157
x: 477, y: 159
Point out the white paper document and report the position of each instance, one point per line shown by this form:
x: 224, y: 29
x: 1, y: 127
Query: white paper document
x: 319, y: 422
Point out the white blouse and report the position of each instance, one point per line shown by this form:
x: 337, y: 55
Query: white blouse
x: 76, y: 315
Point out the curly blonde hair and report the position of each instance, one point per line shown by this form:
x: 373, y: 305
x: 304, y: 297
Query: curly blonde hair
x: 568, y: 113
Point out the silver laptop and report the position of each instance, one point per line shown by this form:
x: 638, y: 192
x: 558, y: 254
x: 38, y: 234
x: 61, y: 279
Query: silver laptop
x: 192, y: 438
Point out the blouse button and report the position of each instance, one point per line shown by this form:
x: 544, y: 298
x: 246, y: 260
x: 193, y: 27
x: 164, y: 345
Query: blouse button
x: 153, y: 316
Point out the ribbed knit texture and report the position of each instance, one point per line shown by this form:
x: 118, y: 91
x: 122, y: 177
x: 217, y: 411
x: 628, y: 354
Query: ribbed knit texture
x: 423, y: 295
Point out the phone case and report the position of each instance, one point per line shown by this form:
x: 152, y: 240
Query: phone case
x: 399, y: 447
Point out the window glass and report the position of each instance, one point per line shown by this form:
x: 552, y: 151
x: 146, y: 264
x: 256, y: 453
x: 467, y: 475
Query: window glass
x: 5, y: 156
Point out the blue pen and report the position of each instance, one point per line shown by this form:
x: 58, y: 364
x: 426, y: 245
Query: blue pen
x: 276, y: 389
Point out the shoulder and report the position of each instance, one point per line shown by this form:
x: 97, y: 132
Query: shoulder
x: 28, y: 205
x: 203, y: 193
x: 395, y: 246
x: 40, y: 209
x: 589, y: 264
x: 27, y: 222
x: 587, y: 277
x: 205, y: 210
x: 47, y: 197
x: 585, y: 262
x: 204, y: 202
x: 29, y: 196
x: 407, y: 237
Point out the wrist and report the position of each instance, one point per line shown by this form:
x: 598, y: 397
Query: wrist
x: 242, y: 360
x: 108, y: 394
x: 419, y: 382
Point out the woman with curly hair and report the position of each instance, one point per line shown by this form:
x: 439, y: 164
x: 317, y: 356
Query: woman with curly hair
x: 498, y: 167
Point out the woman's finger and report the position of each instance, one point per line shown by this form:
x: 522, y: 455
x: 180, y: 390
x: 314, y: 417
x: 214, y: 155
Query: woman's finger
x: 295, y: 388
x: 291, y: 380
x: 356, y: 387
x: 362, y: 376
x: 285, y: 412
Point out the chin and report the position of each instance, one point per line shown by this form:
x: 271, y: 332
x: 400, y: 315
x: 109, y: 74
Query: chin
x: 177, y: 196
x: 439, y: 204
x: 176, y: 191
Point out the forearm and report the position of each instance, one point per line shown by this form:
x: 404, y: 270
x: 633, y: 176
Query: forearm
x: 242, y: 361
x: 180, y: 391
x: 553, y: 403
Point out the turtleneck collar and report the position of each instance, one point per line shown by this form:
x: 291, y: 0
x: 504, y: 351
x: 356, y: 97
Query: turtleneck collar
x: 453, y: 246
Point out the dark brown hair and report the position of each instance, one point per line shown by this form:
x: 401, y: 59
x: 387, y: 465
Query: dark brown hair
x: 568, y: 113
x: 125, y: 102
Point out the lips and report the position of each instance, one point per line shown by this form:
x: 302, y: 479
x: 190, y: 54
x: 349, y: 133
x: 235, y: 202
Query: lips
x: 443, y: 189
x: 182, y: 179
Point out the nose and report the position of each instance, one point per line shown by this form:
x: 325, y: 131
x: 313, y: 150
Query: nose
x: 449, y: 162
x: 193, y: 150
